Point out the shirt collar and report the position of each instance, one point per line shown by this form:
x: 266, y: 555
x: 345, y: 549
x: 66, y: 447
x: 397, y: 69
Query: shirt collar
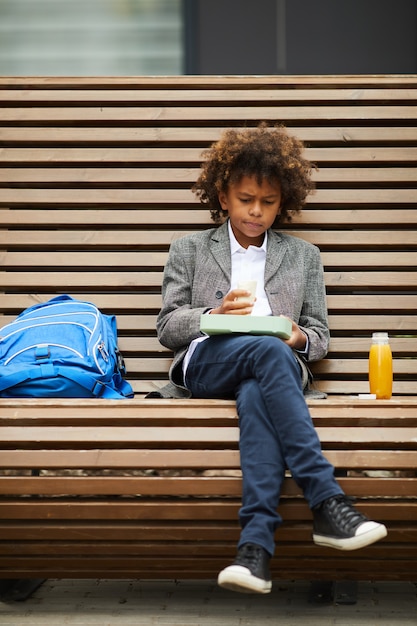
x: 235, y: 245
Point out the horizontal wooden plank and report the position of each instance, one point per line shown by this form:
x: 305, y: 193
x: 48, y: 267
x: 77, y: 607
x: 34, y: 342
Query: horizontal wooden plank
x: 378, y: 302
x: 224, y: 114
x: 340, y: 367
x: 121, y: 157
x: 194, y: 437
x: 71, y: 280
x: 155, y: 406
x: 209, y: 81
x: 394, y: 569
x: 150, y: 176
x: 389, y: 280
x: 92, y: 239
x: 185, y: 486
x: 115, y: 436
x: 137, y: 259
x: 142, y: 535
x: 297, y: 533
x: 349, y: 387
x: 187, y: 459
x: 340, y: 410
x: 325, y: 218
x: 352, y: 385
x: 120, y: 197
x: 225, y: 96
x: 195, y: 510
x: 197, y: 135
x: 335, y: 367
x: 123, y: 303
x: 345, y: 386
x: 360, y: 322
x: 186, y: 408
x: 346, y: 344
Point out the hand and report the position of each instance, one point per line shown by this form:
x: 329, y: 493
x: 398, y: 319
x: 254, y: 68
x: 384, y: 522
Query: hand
x: 232, y: 306
x: 298, y: 340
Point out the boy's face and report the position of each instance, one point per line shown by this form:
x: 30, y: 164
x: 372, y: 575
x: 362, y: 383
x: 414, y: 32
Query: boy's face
x: 252, y: 208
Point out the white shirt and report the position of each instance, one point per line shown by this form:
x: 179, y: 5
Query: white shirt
x: 247, y: 264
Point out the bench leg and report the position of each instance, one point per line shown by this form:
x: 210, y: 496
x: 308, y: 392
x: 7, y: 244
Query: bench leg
x: 21, y: 589
x: 333, y: 592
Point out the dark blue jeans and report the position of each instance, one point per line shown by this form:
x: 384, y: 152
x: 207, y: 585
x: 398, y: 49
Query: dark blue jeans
x: 276, y: 430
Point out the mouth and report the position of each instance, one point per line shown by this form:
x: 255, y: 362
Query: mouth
x: 253, y: 225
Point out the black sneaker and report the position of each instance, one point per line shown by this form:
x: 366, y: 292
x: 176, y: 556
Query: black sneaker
x: 249, y: 572
x: 337, y: 524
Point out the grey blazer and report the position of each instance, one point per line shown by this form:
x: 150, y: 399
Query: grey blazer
x: 197, y: 277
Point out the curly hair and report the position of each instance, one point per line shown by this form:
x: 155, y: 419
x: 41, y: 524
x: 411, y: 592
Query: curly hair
x: 268, y: 153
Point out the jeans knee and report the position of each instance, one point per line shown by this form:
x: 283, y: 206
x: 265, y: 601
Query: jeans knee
x: 273, y: 346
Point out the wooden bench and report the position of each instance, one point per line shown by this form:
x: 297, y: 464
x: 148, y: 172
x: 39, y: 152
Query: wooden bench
x: 94, y: 185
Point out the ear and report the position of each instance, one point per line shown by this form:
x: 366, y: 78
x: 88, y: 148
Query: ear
x: 223, y: 200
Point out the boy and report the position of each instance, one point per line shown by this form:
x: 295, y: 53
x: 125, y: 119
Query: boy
x: 252, y: 180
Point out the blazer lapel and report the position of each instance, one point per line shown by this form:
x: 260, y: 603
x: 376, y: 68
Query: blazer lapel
x: 220, y: 249
x: 276, y: 249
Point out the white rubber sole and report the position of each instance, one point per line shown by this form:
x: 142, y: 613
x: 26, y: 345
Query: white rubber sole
x: 239, y: 578
x: 366, y: 534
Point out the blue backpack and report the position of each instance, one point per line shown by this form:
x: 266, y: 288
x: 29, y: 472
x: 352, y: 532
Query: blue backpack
x: 62, y: 348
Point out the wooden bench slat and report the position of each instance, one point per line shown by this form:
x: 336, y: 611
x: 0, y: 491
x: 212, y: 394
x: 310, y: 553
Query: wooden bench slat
x: 202, y: 136
x: 139, y: 218
x: 337, y: 344
x: 144, y: 534
x: 194, y: 437
x: 345, y: 344
x: 126, y: 302
x: 339, y: 409
x: 208, y: 81
x: 103, y: 197
x: 126, y: 97
x: 187, y: 175
x: 188, y: 459
x: 191, y: 114
x: 123, y: 279
x: 108, y: 239
x: 192, y: 156
x: 158, y: 509
x: 158, y: 259
x: 212, y: 549
x: 183, y: 486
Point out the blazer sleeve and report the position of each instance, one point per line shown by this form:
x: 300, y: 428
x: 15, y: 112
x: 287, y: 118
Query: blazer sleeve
x: 313, y: 317
x: 178, y: 323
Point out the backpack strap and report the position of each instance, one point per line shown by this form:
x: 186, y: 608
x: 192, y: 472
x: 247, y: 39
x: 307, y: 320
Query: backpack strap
x: 96, y: 387
x: 20, y: 376
x: 47, y: 370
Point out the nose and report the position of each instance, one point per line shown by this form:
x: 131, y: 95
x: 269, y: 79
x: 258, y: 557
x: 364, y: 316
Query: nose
x: 255, y: 208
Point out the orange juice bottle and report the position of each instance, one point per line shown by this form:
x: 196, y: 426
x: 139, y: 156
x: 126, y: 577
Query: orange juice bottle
x: 380, y: 366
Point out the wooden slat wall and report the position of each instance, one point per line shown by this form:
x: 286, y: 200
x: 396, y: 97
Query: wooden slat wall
x: 95, y: 179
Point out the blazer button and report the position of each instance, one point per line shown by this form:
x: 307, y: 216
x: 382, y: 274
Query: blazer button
x: 219, y: 295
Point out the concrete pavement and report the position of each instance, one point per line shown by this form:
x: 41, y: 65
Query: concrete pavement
x: 202, y: 603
